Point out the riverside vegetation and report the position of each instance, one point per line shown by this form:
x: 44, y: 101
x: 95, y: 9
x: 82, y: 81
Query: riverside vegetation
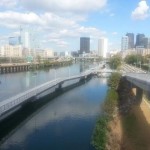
x: 100, y: 134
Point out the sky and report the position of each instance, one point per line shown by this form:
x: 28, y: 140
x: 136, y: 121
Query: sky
x: 59, y: 24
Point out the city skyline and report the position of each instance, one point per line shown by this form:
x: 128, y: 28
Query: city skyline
x: 61, y: 25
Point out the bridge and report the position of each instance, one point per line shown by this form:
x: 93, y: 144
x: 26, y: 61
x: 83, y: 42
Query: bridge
x: 141, y: 80
x: 14, y: 103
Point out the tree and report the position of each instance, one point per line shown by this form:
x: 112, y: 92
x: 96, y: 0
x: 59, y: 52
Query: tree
x: 134, y: 59
x: 115, y: 62
x: 39, y: 59
x: 113, y: 80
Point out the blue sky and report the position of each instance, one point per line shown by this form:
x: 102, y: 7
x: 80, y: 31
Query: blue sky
x: 60, y: 24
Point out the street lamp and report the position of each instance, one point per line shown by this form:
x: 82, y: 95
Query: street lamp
x: 69, y: 71
x: 54, y: 73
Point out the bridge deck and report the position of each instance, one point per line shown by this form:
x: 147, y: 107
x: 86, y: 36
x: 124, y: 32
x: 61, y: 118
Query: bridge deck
x: 14, y: 101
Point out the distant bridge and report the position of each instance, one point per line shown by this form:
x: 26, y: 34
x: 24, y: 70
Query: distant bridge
x: 141, y: 80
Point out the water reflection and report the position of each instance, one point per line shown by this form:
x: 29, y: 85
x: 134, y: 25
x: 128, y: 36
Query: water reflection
x: 65, y: 123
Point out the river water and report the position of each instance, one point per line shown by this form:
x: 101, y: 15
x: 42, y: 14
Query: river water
x: 65, y: 123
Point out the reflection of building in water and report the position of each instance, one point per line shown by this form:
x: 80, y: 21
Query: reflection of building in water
x: 103, y: 81
x: 27, y: 79
x: 81, y: 67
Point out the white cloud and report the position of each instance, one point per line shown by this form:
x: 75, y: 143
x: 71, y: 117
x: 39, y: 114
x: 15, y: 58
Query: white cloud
x: 64, y: 5
x: 12, y: 19
x: 52, y: 28
x: 142, y: 11
x: 8, y: 3
x: 114, y: 33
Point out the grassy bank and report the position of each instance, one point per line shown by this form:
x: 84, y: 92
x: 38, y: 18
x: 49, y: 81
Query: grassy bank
x: 100, y: 133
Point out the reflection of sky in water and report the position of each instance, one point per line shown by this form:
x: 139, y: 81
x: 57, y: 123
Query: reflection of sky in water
x: 14, y: 83
x: 68, y: 119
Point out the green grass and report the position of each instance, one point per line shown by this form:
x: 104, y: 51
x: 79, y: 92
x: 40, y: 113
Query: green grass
x: 130, y: 125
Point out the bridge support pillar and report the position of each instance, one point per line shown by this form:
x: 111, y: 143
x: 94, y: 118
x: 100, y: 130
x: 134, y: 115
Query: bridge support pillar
x: 59, y: 88
x: 139, y: 94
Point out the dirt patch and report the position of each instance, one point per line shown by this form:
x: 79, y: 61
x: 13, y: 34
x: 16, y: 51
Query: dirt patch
x: 114, y: 134
x: 130, y: 128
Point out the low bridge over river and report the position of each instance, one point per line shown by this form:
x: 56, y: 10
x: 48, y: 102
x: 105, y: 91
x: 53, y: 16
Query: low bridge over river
x: 14, y: 103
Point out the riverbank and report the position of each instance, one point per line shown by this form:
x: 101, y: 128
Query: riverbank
x: 130, y: 129
x: 129, y: 126
x: 20, y: 67
x: 103, y: 138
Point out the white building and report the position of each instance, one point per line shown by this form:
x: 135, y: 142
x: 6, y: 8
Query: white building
x: 48, y: 53
x: 25, y: 39
x: 124, y: 43
x: 142, y: 51
x: 2, y: 52
x: 11, y: 51
x: 28, y: 38
x: 102, y: 47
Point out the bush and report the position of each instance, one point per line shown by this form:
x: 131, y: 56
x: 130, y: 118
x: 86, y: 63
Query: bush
x: 99, y: 137
x: 113, y: 80
x: 111, y: 102
x: 115, y: 62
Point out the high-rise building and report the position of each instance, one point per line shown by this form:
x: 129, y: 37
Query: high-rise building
x: 28, y: 38
x: 140, y: 40
x: 102, y: 47
x: 125, y: 43
x: 146, y: 42
x: 14, y: 40
x: 130, y: 40
x: 84, y: 45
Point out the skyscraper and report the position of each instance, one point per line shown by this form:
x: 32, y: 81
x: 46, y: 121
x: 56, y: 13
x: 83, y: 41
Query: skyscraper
x: 14, y: 41
x: 130, y: 40
x: 102, y: 47
x: 124, y: 43
x: 84, y: 45
x: 140, y: 40
x: 25, y: 38
x: 146, y: 42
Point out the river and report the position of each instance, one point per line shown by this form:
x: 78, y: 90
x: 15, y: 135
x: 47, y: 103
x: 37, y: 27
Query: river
x: 65, y: 123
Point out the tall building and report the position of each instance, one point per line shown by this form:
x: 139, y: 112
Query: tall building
x: 102, y: 47
x: 84, y: 45
x: 28, y: 38
x: 125, y: 43
x: 14, y: 40
x: 130, y: 40
x: 146, y: 42
x: 140, y: 40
